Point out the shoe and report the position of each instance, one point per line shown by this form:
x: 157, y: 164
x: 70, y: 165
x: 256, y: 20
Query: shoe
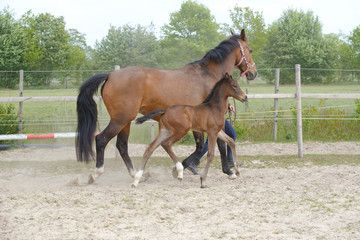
x: 193, y: 168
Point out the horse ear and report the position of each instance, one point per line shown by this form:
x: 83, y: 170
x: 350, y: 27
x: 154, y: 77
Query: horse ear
x: 232, y: 32
x: 242, y: 35
x: 227, y: 75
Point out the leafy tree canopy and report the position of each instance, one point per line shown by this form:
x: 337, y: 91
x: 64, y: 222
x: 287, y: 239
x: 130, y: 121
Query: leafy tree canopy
x: 12, y: 42
x: 191, y: 32
x: 254, y: 25
x: 127, y: 46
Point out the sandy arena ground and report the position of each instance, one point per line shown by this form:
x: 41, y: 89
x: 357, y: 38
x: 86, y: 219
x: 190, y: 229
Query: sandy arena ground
x: 44, y: 195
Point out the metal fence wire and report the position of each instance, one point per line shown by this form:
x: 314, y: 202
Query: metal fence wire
x: 323, y: 119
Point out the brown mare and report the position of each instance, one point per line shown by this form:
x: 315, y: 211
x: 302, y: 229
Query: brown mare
x: 131, y: 90
x: 209, y: 116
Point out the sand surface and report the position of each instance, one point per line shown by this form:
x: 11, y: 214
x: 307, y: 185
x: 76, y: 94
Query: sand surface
x: 44, y: 195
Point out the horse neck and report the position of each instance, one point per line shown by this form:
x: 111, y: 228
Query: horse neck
x: 225, y: 66
x: 219, y: 99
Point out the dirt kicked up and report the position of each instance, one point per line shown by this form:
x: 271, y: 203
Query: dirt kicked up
x: 44, y: 195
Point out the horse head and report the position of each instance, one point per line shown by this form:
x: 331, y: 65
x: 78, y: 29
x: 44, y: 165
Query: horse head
x: 235, y: 90
x: 244, y: 60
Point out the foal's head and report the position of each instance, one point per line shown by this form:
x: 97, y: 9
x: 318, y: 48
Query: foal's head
x: 233, y: 89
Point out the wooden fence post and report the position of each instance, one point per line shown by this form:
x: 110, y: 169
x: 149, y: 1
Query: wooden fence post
x: 276, y: 100
x: 21, y: 90
x: 298, y: 111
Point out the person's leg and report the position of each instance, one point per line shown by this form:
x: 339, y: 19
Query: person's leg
x: 193, y: 166
x: 230, y: 131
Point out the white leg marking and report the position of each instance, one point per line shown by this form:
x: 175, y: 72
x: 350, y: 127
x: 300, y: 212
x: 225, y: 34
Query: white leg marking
x: 137, y: 178
x: 97, y: 173
x: 180, y: 170
x: 100, y: 170
x: 232, y: 177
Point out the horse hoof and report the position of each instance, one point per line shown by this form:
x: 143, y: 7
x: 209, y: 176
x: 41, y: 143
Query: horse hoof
x: 237, y: 173
x: 203, y: 186
x: 180, y: 179
x: 133, y: 185
x: 91, y: 179
x: 232, y: 176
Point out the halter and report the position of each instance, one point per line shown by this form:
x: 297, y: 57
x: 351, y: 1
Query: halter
x: 241, y: 60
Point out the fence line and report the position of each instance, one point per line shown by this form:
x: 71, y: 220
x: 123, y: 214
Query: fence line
x: 250, y: 96
x: 298, y: 96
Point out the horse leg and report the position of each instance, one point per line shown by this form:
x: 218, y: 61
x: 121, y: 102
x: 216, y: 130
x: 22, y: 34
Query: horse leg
x: 224, y: 163
x: 164, y: 133
x: 230, y: 142
x: 199, y: 139
x: 178, y: 170
x: 102, y: 140
x: 122, y: 146
x: 210, y: 156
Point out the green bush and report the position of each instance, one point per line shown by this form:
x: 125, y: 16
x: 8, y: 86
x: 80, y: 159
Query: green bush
x: 357, y: 110
x: 320, y: 123
x: 8, y: 120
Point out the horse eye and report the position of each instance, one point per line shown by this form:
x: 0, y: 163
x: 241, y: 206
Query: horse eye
x: 250, y: 50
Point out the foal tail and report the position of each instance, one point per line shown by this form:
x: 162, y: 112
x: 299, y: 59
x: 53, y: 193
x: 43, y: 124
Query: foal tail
x: 150, y: 115
x: 87, y: 117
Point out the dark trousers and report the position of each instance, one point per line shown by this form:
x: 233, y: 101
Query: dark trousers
x: 229, y: 130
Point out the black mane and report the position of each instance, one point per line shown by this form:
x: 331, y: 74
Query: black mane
x: 221, y: 51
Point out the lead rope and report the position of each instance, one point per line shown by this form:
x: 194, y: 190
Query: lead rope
x: 231, y: 113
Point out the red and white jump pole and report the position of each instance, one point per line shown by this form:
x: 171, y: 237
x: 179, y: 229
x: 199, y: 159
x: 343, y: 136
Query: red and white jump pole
x: 37, y: 136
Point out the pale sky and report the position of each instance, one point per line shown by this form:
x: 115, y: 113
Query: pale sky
x: 93, y: 17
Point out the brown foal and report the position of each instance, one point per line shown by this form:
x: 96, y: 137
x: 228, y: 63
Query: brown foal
x: 209, y: 116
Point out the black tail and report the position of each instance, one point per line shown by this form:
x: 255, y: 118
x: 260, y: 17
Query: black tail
x: 149, y: 115
x: 87, y: 117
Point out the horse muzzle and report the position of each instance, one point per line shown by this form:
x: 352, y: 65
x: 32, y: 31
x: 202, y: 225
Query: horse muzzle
x: 243, y: 98
x: 251, y: 75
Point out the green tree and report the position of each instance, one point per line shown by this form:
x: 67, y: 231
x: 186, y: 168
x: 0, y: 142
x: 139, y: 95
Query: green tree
x: 12, y: 48
x: 354, y: 41
x: 191, y: 32
x: 296, y: 38
x: 12, y: 44
x: 50, y: 47
x: 127, y: 46
x: 76, y: 55
x: 254, y: 25
x: 48, y: 41
x: 353, y: 50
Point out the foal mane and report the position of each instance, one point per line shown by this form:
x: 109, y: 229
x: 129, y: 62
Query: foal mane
x: 214, y: 89
x: 221, y: 51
